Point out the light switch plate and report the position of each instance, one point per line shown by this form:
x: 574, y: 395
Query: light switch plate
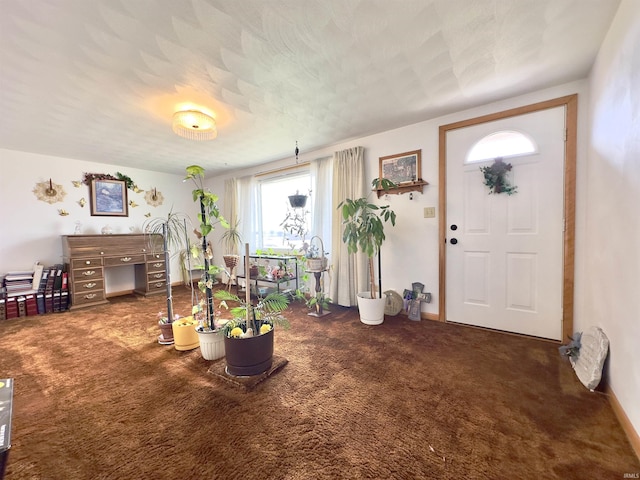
x: 429, y: 212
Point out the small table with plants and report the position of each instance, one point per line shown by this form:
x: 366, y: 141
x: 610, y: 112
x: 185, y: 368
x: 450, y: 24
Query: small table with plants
x: 272, y: 269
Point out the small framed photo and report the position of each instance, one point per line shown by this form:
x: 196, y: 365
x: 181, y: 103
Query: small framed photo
x: 109, y: 198
x: 402, y: 168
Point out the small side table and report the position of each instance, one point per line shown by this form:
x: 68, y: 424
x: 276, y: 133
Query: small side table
x: 319, y: 311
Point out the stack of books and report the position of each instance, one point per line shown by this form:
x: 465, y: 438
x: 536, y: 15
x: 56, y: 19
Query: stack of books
x: 27, y: 293
x: 19, y: 283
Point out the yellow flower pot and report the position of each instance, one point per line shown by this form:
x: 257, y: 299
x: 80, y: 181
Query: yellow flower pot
x: 185, y: 336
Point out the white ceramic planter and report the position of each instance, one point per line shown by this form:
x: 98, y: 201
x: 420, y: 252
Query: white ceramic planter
x: 211, y: 345
x: 371, y: 309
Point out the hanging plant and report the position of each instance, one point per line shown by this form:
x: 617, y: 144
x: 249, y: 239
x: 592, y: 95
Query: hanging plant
x: 495, y: 177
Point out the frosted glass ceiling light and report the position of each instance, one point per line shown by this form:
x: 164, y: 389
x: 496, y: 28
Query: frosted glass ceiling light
x: 194, y: 125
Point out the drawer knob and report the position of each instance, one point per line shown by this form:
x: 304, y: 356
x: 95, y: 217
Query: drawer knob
x: 158, y: 285
x: 157, y: 265
x: 125, y: 259
x: 88, y: 273
x: 90, y: 285
x: 158, y: 275
x: 87, y: 262
x: 90, y: 296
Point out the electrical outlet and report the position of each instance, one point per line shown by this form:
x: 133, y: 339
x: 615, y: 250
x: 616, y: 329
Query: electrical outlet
x: 427, y: 297
x: 429, y: 212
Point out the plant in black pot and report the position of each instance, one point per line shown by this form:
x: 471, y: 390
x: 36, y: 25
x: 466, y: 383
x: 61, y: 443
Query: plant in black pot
x: 209, y: 216
x: 248, y: 335
x: 364, y: 231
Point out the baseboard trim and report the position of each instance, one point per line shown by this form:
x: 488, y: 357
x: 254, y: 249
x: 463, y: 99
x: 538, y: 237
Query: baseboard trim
x: 430, y: 316
x: 119, y: 294
x: 626, y: 424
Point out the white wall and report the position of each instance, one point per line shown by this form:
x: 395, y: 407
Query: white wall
x: 31, y: 229
x: 410, y: 253
x: 609, y: 293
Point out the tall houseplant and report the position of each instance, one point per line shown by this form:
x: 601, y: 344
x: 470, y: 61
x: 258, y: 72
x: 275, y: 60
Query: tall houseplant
x: 364, y: 231
x: 208, y: 216
x: 173, y: 229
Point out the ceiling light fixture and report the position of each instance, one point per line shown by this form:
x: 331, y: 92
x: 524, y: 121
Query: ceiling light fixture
x: 194, y: 125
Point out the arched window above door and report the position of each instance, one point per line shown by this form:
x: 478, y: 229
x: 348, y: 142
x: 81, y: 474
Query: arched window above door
x: 504, y: 143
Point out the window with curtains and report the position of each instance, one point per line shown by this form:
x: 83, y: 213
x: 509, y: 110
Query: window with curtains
x: 274, y: 204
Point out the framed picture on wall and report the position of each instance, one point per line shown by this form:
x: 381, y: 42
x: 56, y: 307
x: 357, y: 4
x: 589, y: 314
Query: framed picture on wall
x: 402, y: 168
x: 109, y: 198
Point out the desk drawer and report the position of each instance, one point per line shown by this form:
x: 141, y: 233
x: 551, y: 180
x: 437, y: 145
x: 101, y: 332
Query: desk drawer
x: 156, y: 286
x: 84, y: 274
x: 156, y: 277
x: 156, y: 266
x: 123, y: 260
x: 80, y: 298
x: 86, y: 262
x: 87, y: 285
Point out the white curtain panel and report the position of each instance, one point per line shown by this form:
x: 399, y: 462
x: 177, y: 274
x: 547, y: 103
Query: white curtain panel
x: 349, y: 271
x: 250, y: 223
x: 322, y: 205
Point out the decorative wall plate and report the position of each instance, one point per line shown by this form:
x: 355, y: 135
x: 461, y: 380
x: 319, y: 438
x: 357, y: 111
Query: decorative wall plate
x: 49, y: 192
x: 153, y: 197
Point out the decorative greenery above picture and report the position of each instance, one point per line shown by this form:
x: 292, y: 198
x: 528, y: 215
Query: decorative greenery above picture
x: 88, y: 177
x: 495, y: 177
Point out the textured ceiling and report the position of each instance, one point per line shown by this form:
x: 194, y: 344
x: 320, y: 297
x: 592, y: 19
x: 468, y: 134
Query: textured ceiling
x: 99, y: 80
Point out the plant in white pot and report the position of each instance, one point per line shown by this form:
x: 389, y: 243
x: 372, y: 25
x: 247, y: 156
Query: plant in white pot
x: 211, y: 345
x: 364, y: 231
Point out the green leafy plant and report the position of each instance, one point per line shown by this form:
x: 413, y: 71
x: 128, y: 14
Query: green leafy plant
x: 364, y: 225
x: 267, y: 311
x: 209, y: 216
x: 231, y: 238
x: 320, y: 298
x: 495, y: 177
x: 173, y: 229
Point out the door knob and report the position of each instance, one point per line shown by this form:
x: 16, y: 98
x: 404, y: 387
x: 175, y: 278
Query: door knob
x: 454, y: 227
x: 453, y: 241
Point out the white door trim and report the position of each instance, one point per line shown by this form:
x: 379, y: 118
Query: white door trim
x: 571, y: 104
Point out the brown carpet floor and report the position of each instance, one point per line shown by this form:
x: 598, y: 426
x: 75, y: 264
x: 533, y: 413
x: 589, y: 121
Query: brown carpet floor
x: 96, y: 397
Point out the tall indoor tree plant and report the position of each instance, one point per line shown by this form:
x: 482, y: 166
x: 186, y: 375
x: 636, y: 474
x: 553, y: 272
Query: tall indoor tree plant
x: 208, y: 216
x: 173, y: 229
x: 364, y: 231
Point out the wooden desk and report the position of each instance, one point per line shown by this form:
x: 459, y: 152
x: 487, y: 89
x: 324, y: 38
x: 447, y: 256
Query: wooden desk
x: 87, y: 256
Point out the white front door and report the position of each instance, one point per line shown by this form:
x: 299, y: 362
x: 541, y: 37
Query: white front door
x: 504, y: 258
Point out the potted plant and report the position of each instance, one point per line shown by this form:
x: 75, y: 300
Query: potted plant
x: 315, y: 259
x: 203, y: 310
x: 248, y: 336
x: 166, y: 330
x: 173, y: 229
x: 230, y: 239
x: 364, y: 232
x: 298, y: 200
x: 319, y: 303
